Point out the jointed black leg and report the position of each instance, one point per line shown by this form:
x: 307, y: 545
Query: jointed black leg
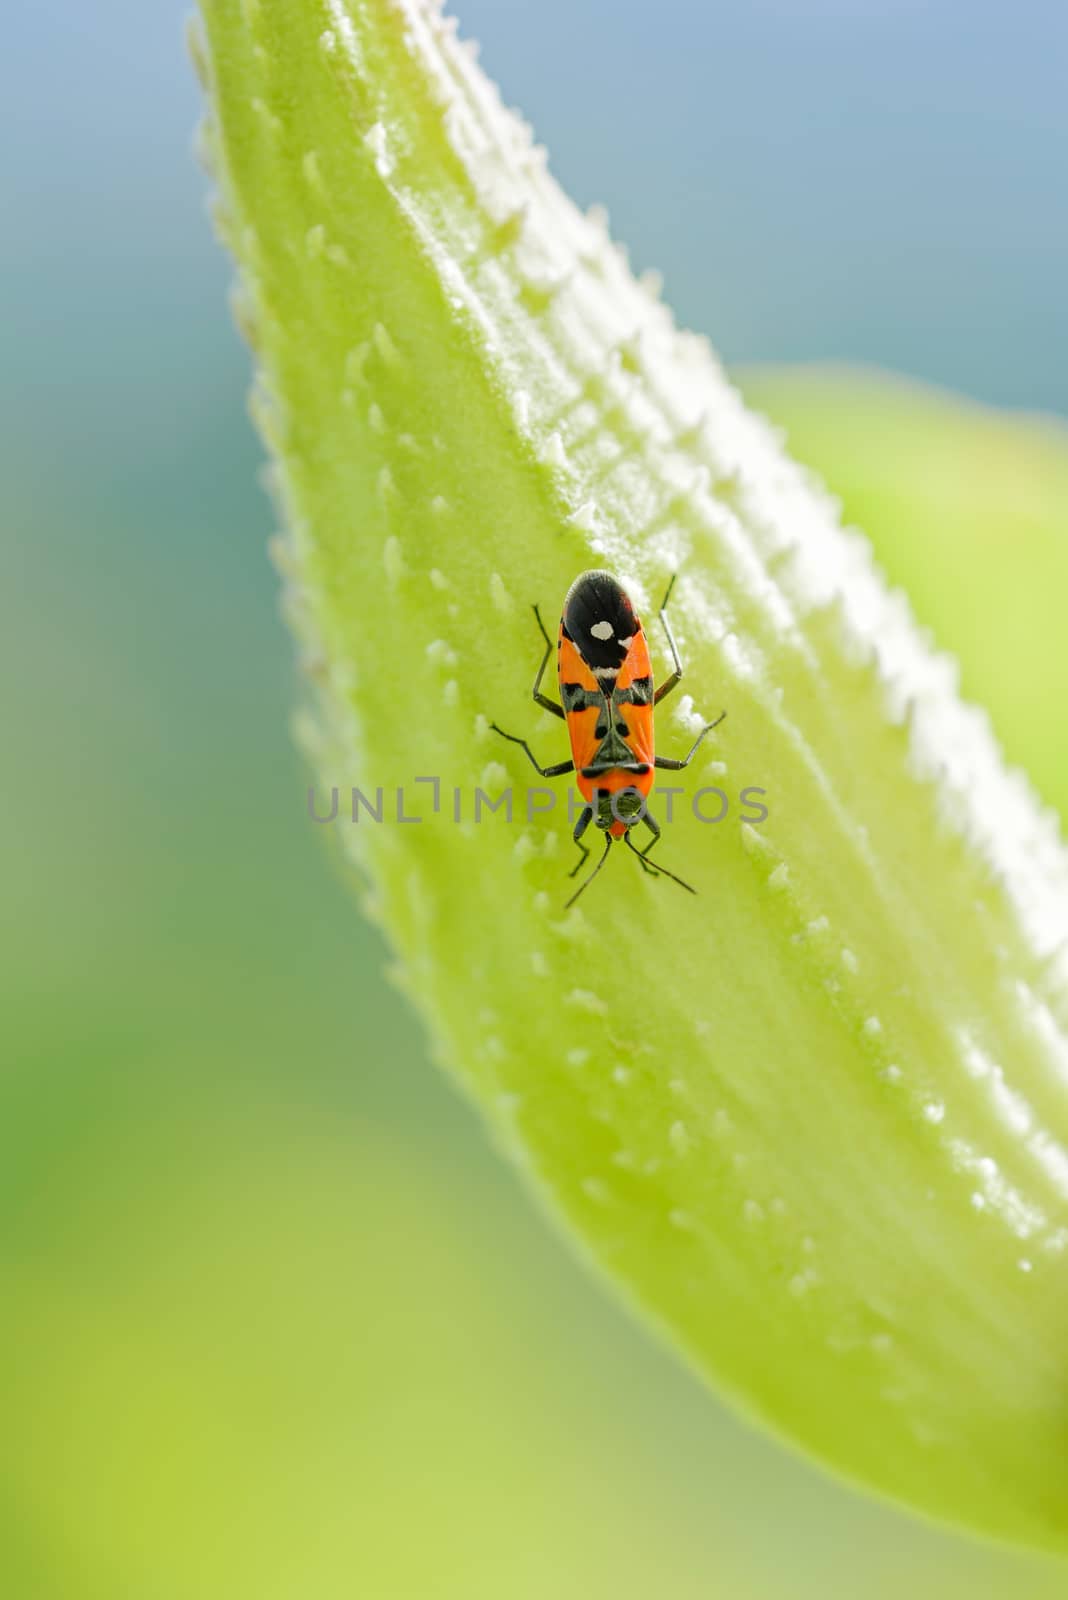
x: 584, y: 885
x: 672, y: 763
x: 585, y: 818
x: 657, y: 870
x: 654, y: 828
x: 646, y: 866
x: 669, y: 683
x: 543, y: 699
x: 556, y: 771
x: 582, y: 860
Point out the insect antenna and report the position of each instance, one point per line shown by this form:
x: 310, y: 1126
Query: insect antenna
x: 655, y: 868
x: 587, y: 881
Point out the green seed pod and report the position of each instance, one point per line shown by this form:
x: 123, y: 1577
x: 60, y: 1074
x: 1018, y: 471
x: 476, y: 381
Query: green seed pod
x: 812, y: 1121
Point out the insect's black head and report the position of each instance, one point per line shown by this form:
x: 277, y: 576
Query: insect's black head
x: 626, y: 806
x: 600, y: 619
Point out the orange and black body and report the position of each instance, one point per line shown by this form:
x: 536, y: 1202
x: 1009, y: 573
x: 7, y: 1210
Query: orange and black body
x: 606, y: 690
x: 607, y: 699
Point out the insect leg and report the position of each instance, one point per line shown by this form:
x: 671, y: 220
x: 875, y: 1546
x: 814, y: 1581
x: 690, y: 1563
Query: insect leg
x: 654, y: 828
x: 669, y: 683
x: 657, y: 870
x: 672, y: 763
x: 556, y: 771
x: 543, y: 699
x: 585, y: 818
x: 587, y: 881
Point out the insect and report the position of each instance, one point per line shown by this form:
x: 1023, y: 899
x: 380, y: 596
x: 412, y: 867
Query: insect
x: 607, y: 699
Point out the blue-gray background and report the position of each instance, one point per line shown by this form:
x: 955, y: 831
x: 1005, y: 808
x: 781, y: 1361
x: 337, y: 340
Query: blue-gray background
x: 231, y: 1183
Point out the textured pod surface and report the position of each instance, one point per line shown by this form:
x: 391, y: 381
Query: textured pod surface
x: 967, y: 508
x: 813, y: 1121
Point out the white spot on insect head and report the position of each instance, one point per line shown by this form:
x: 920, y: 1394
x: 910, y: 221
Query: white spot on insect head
x: 602, y: 630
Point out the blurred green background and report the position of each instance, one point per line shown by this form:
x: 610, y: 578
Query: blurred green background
x: 276, y: 1321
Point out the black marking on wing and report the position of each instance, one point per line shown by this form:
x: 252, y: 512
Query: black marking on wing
x: 576, y: 697
x: 595, y: 768
x: 637, y: 693
x: 613, y: 753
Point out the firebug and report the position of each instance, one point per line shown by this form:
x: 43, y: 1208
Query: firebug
x: 607, y: 700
